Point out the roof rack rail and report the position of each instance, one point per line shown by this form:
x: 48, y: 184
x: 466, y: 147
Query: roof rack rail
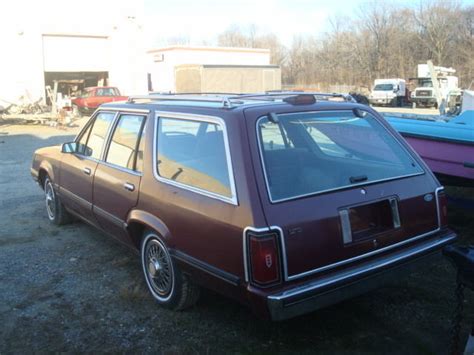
x: 226, y: 99
x: 182, y: 97
x: 276, y: 94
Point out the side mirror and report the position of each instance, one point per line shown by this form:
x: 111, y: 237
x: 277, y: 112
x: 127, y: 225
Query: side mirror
x: 70, y: 147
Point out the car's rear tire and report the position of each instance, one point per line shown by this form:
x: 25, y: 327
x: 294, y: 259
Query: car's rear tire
x: 55, y: 210
x: 168, y: 285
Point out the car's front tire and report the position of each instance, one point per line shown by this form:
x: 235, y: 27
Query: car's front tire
x: 55, y: 210
x: 168, y: 285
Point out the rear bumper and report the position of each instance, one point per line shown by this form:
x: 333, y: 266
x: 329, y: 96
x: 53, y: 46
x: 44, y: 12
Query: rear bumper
x: 351, y: 282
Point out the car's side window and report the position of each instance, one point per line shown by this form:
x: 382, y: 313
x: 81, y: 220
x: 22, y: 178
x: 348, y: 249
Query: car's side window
x: 125, y: 141
x: 193, y: 153
x: 92, y: 140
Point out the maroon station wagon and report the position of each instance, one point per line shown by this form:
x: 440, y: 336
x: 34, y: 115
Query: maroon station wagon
x: 284, y: 202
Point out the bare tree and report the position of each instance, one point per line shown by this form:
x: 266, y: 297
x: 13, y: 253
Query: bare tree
x: 383, y: 40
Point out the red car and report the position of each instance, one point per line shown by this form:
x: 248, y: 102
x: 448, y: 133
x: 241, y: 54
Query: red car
x: 93, y: 97
x: 284, y: 202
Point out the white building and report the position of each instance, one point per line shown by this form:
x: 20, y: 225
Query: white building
x: 165, y: 61
x: 53, y: 40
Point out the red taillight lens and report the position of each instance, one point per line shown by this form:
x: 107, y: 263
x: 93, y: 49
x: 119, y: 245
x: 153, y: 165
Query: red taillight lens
x: 264, y: 259
x: 443, y: 208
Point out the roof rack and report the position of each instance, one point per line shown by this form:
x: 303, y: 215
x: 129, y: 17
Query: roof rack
x: 226, y: 99
x: 182, y: 97
x: 275, y: 94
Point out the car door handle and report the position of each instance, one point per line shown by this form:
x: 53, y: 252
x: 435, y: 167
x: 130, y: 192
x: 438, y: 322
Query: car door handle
x: 86, y: 171
x: 128, y: 186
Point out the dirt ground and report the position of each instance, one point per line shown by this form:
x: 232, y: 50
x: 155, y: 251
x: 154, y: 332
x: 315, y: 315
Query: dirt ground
x: 74, y: 289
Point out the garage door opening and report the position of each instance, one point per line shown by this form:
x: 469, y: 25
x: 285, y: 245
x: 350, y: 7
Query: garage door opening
x: 72, y: 84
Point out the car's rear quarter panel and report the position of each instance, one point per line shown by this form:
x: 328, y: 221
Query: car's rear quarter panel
x: 204, y: 228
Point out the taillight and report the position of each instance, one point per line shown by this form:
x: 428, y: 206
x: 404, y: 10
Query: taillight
x: 264, y: 258
x: 442, y: 208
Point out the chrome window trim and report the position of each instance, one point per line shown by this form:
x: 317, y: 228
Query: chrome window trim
x: 110, y: 133
x: 106, y: 140
x: 91, y: 118
x: 124, y: 109
x: 260, y: 147
x: 200, y: 118
x: 263, y: 230
x: 110, y: 130
x: 120, y: 168
x: 108, y: 136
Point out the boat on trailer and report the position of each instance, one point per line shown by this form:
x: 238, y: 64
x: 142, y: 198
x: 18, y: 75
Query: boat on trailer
x: 446, y: 143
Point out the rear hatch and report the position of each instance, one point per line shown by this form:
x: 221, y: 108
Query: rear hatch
x: 340, y: 186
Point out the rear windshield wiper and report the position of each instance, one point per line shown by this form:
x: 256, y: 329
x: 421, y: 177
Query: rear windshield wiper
x: 360, y: 178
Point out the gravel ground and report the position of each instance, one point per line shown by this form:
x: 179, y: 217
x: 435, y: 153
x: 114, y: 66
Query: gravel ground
x: 74, y: 289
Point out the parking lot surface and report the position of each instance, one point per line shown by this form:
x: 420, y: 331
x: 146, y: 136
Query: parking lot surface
x: 72, y: 288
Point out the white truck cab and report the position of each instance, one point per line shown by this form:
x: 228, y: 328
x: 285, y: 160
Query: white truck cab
x: 425, y: 94
x: 388, y: 92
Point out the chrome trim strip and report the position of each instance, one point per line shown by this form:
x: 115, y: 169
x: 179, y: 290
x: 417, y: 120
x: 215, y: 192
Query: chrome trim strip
x: 208, y: 268
x: 122, y: 109
x: 108, y: 136
x: 362, y: 256
x: 73, y: 196
x: 262, y: 230
x: 108, y: 216
x: 200, y: 118
x: 438, y: 189
x: 360, y: 271
x: 366, y: 183
x: 375, y: 252
x: 125, y: 170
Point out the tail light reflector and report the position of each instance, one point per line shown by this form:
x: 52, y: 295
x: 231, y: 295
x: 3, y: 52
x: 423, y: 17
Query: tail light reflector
x: 264, y: 259
x: 442, y: 208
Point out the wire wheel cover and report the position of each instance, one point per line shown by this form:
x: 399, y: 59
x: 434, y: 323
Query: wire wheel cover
x: 50, y: 200
x: 159, y: 271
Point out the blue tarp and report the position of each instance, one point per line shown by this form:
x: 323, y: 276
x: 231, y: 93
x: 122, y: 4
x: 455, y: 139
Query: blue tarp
x: 459, y: 128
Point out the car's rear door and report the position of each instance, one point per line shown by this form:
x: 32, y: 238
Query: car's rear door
x: 348, y: 217
x: 78, y: 168
x: 117, y: 177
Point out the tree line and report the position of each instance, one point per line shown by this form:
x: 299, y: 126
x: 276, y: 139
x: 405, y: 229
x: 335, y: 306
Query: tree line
x: 381, y: 40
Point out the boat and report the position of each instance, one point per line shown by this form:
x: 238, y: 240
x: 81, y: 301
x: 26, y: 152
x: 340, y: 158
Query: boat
x: 446, y: 143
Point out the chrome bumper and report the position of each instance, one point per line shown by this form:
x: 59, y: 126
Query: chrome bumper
x: 354, y: 281
x: 383, y: 101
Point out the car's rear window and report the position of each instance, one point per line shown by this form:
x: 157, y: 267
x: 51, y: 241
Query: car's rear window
x: 313, y: 152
